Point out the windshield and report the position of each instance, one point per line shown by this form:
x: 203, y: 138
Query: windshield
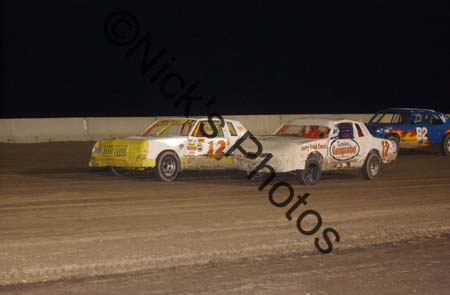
x: 170, y: 128
x: 304, y: 131
x: 390, y: 118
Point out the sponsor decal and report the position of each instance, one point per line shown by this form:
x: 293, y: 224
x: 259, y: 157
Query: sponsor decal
x: 314, y: 146
x: 344, y: 150
x: 199, y: 147
x: 318, y: 146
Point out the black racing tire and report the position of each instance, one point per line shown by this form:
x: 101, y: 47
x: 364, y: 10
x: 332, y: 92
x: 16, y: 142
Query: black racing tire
x: 119, y: 171
x: 167, y: 166
x: 312, y: 172
x: 372, y: 166
x: 395, y: 139
x: 258, y: 175
x: 445, y: 145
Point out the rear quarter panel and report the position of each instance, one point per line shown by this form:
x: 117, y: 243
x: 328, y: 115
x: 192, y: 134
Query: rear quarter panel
x: 385, y: 148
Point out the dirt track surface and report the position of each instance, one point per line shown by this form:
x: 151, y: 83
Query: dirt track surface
x: 65, y: 229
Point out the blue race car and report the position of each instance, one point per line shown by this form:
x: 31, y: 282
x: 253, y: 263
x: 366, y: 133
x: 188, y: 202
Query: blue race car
x: 411, y: 128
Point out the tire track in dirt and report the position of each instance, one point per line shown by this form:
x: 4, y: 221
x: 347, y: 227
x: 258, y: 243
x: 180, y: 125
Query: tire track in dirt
x: 57, y: 223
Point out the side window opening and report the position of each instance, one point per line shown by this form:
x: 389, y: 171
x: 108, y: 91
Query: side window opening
x: 207, y: 128
x: 436, y: 120
x: 399, y: 118
x: 416, y: 118
x: 420, y: 118
x: 360, y: 132
x: 390, y: 118
x: 233, y: 131
x: 345, y: 130
x: 186, y: 128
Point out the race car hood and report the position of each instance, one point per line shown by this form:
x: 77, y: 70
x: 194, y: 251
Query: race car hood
x: 285, y: 151
x: 119, y: 152
x: 276, y: 144
x: 166, y: 139
x: 132, y: 151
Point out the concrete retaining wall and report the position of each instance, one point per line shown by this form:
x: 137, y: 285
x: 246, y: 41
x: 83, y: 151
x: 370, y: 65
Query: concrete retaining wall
x: 83, y: 129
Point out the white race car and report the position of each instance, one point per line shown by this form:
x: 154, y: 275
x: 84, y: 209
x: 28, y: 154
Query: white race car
x: 169, y: 145
x: 310, y: 146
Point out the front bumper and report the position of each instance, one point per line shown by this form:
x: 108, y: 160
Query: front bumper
x: 129, y: 153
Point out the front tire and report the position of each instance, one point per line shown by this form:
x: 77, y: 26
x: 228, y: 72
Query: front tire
x: 120, y: 171
x: 312, y: 172
x: 372, y: 166
x: 445, y: 146
x: 167, y: 166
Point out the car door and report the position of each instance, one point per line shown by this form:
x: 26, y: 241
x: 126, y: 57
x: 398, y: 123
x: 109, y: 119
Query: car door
x: 345, y: 147
x: 420, y: 121
x: 207, y: 152
x: 397, y: 127
x: 206, y: 146
x: 437, y: 128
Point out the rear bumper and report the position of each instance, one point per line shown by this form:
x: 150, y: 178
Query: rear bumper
x: 390, y: 159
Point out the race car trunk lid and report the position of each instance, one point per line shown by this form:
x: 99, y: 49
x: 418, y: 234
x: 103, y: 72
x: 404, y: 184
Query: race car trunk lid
x: 121, y: 152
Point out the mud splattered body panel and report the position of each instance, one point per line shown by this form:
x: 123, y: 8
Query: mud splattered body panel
x: 188, y: 138
x: 338, y: 144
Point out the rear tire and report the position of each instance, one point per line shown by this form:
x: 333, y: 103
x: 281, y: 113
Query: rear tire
x: 119, y: 171
x: 372, y: 166
x: 312, y: 172
x: 445, y: 146
x: 167, y: 166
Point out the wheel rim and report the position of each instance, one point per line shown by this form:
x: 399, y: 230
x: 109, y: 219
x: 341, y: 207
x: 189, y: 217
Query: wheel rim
x: 312, y: 172
x: 448, y: 146
x: 374, y: 167
x: 120, y: 170
x: 169, y: 166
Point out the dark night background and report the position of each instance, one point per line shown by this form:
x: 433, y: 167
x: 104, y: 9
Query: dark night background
x: 255, y: 57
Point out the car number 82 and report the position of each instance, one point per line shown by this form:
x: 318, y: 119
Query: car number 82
x: 421, y: 134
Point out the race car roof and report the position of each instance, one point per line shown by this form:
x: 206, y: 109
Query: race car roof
x: 184, y: 119
x: 319, y: 121
x: 190, y: 118
x: 405, y: 110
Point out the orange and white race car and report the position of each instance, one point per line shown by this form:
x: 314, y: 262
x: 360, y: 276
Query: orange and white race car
x: 168, y: 146
x: 310, y: 146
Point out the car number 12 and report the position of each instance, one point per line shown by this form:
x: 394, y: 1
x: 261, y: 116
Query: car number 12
x: 219, y: 148
x: 385, y: 145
